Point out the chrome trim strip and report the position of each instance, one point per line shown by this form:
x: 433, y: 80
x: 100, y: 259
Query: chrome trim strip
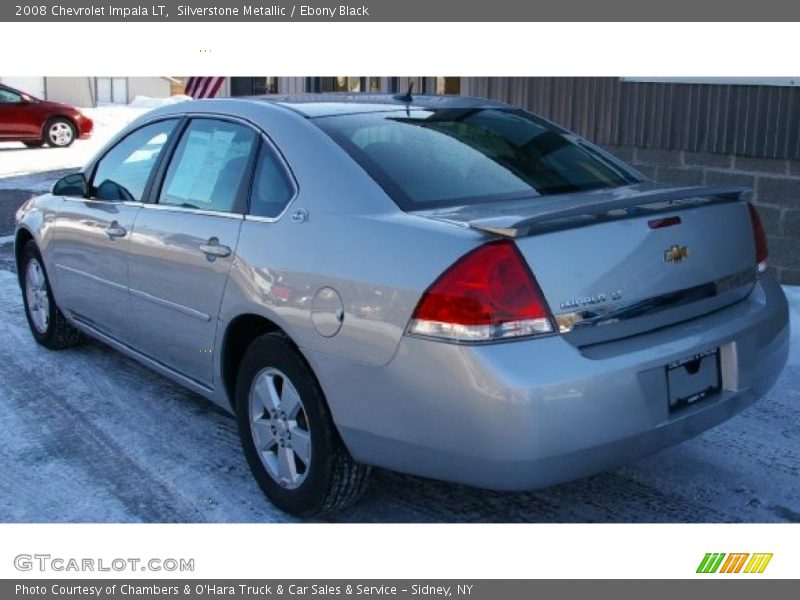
x: 257, y: 219
x: 193, y: 211
x: 614, y: 313
x: 169, y: 304
x: 139, y: 294
x: 116, y: 286
x: 133, y: 203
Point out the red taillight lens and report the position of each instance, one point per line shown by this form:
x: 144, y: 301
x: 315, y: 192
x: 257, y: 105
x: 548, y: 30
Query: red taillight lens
x: 762, y: 252
x: 487, y: 294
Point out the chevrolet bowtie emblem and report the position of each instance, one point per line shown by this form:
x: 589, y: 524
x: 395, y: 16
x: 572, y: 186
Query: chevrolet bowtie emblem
x: 676, y: 254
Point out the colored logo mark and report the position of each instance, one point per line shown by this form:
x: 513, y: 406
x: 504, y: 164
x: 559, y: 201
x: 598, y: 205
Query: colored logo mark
x: 740, y: 562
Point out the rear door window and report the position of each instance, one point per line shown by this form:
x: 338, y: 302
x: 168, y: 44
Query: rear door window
x: 207, y: 171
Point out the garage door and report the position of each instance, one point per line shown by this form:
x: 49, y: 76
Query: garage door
x: 112, y: 90
x: 30, y: 85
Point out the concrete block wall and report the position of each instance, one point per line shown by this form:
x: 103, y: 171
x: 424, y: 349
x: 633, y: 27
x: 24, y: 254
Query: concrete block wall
x: 775, y: 184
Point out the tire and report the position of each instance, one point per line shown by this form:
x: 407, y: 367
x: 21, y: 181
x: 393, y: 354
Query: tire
x: 59, y: 132
x: 34, y: 144
x: 47, y: 323
x: 331, y: 480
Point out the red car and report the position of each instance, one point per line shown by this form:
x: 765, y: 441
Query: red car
x: 35, y: 122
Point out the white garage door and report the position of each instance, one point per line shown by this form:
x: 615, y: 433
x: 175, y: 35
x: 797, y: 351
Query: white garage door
x: 30, y: 85
x: 112, y: 90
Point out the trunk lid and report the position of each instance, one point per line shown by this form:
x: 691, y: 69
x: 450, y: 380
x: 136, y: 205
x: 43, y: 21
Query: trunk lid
x: 613, y: 263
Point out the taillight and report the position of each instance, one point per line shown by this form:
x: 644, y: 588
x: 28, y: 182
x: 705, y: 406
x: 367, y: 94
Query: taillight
x: 488, y: 294
x: 762, y: 252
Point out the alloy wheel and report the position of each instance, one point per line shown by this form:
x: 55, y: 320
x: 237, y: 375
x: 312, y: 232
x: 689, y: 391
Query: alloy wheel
x: 279, y: 427
x: 36, y: 296
x: 60, y: 133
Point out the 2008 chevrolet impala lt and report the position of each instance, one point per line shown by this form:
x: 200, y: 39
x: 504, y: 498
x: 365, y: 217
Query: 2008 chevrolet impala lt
x: 443, y: 286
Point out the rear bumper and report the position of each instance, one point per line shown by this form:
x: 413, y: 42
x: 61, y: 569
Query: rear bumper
x: 528, y: 414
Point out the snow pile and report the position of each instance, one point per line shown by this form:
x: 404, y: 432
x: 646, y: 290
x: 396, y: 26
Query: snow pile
x: 148, y: 102
x: 109, y: 119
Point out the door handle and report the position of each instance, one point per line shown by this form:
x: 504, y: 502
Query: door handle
x: 213, y: 249
x: 115, y: 231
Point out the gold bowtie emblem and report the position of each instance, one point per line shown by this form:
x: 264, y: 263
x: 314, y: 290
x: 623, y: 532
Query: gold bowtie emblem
x: 676, y: 254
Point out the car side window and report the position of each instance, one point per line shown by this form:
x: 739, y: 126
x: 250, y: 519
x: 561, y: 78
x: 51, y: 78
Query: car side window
x: 271, y: 188
x: 123, y: 172
x: 9, y: 97
x: 208, y: 169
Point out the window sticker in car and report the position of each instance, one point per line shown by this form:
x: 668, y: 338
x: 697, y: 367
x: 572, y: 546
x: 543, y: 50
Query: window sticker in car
x: 200, y: 165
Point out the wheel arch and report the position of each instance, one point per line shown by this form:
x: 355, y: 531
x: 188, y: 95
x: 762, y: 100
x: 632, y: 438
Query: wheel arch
x: 46, y: 121
x: 240, y: 332
x: 21, y: 239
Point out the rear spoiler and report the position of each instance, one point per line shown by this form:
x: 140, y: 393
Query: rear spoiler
x: 578, y: 205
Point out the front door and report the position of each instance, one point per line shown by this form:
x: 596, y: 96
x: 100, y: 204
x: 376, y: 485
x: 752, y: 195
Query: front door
x: 13, y: 115
x: 93, y: 234
x: 183, y: 246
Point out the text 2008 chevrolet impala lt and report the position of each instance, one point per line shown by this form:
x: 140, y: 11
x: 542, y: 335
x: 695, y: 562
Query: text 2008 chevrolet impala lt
x: 448, y: 287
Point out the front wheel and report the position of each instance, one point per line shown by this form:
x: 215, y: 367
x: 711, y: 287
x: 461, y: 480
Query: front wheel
x: 47, y: 323
x: 288, y: 436
x: 59, y: 132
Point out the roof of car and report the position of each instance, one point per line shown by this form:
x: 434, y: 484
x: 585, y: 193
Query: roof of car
x: 330, y: 104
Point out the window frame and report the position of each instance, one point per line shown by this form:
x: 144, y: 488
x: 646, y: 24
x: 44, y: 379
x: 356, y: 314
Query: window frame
x: 91, y: 169
x: 268, y: 146
x: 241, y: 202
x: 153, y: 187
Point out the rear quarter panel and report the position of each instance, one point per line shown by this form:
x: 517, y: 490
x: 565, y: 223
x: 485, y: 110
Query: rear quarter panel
x: 354, y: 240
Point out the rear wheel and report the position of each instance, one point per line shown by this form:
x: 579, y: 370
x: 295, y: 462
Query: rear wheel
x: 59, y: 132
x: 47, y: 323
x: 288, y: 437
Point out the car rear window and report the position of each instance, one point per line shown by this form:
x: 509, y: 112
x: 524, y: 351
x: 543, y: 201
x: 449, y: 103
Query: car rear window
x: 448, y: 157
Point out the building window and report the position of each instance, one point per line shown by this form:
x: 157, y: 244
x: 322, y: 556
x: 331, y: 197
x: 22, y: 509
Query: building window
x: 265, y: 85
x: 253, y: 86
x: 338, y: 84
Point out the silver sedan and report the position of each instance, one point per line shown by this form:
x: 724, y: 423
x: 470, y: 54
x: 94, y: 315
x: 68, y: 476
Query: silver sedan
x: 448, y: 287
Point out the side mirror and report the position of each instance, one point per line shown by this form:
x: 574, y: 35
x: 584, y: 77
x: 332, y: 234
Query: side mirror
x: 26, y: 99
x: 72, y: 185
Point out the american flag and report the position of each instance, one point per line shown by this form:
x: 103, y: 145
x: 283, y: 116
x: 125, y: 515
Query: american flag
x: 203, y: 87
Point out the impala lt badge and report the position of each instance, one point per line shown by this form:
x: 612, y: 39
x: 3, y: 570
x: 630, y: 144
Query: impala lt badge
x: 676, y: 254
x: 584, y: 301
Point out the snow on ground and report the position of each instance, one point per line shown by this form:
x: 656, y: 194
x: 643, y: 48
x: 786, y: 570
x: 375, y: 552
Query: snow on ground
x: 17, y: 159
x: 89, y: 435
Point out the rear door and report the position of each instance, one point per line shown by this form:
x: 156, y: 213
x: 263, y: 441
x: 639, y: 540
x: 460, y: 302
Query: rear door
x: 183, y: 245
x: 93, y: 234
